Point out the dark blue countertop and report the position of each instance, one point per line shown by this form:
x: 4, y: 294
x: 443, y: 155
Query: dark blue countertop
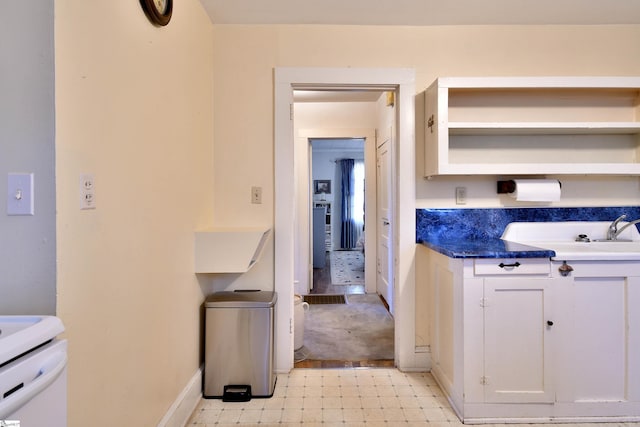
x: 488, y: 248
x: 475, y: 233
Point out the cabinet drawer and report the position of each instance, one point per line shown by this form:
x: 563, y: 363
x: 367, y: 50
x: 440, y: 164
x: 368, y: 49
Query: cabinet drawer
x: 511, y: 266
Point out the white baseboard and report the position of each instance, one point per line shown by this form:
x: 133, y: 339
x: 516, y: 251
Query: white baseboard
x: 182, y: 408
x: 418, y: 361
x: 423, y: 357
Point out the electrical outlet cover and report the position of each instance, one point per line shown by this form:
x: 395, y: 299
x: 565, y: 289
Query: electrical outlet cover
x: 461, y: 195
x: 87, y: 192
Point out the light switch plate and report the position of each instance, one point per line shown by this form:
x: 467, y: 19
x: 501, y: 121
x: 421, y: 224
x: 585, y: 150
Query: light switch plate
x: 20, y: 194
x: 256, y: 195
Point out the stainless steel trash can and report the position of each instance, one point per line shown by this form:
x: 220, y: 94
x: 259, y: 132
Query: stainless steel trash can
x: 239, y: 353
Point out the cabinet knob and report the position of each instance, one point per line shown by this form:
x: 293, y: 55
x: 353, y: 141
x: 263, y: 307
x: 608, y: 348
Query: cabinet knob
x: 549, y: 323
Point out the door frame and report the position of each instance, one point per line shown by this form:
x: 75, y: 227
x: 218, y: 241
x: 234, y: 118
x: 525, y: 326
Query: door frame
x: 403, y: 79
x: 369, y: 135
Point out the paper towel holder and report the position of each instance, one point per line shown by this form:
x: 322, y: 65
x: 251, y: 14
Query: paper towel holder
x: 505, y: 187
x: 509, y: 186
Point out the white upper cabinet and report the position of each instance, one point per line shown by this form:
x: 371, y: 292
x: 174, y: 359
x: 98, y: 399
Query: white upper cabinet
x: 532, y: 125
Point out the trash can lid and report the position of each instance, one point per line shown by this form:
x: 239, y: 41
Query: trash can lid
x: 242, y: 298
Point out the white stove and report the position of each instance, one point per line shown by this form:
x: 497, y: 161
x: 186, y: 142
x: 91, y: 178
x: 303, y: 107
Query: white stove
x: 33, y: 363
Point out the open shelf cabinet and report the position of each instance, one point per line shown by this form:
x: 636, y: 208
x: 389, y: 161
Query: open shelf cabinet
x: 532, y: 125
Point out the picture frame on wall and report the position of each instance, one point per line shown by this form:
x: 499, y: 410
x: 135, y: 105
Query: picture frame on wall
x: 322, y: 186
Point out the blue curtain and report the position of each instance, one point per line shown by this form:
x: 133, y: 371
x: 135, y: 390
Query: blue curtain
x: 349, y: 230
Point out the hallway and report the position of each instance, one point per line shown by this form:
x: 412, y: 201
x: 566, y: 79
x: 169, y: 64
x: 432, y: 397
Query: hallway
x: 323, y: 286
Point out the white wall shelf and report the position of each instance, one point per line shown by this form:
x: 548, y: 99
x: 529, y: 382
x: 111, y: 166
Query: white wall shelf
x: 228, y: 250
x: 543, y: 128
x: 532, y: 125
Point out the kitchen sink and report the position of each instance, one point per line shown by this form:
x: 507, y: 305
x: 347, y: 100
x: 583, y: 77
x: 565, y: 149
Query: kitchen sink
x: 577, y: 240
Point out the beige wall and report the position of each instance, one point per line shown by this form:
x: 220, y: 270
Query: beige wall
x: 245, y: 57
x: 133, y: 107
x: 126, y: 290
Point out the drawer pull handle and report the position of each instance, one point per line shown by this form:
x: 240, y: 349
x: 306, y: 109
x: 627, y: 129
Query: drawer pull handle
x: 503, y: 265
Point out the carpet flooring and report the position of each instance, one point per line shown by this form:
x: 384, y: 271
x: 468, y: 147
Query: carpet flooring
x: 347, y: 267
x: 362, y: 329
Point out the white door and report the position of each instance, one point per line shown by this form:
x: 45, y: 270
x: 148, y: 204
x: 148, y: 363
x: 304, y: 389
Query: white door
x: 384, y: 266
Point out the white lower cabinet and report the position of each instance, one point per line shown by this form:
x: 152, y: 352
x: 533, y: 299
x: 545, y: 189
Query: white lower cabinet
x: 598, y: 370
x: 517, y: 348
x: 525, y: 344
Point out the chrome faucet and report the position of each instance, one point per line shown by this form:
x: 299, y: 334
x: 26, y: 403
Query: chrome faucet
x: 613, y: 232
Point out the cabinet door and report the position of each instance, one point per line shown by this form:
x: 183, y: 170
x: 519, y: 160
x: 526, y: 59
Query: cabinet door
x: 599, y: 347
x: 517, y: 340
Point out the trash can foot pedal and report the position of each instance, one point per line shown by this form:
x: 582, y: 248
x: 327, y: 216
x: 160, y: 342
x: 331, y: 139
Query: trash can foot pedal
x: 236, y: 393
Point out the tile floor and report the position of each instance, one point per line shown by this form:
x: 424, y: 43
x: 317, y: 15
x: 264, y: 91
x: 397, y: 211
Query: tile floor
x: 366, y: 397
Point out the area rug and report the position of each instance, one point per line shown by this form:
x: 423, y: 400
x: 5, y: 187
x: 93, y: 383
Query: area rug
x: 362, y: 329
x: 347, y: 267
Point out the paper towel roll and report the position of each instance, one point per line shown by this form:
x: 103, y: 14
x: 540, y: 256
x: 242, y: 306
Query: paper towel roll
x: 536, y: 190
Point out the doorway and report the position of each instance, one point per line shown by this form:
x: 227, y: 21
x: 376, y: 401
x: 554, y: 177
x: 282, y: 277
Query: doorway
x: 347, y: 319
x: 338, y: 232
x: 343, y: 325
x: 286, y: 220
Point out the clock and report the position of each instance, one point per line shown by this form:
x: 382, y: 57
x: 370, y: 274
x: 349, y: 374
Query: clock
x: 158, y: 11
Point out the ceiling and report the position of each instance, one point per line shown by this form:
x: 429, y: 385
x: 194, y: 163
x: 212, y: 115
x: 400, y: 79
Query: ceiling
x: 423, y: 12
